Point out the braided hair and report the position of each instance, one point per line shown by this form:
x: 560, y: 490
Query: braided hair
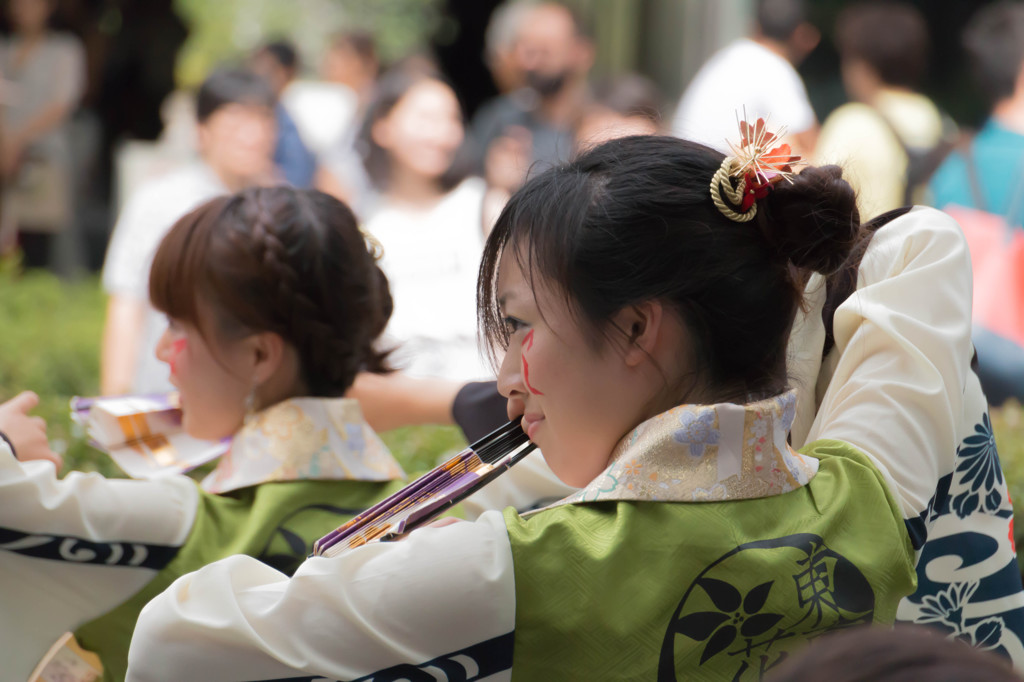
x: 280, y: 260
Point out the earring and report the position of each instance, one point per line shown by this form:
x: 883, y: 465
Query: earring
x: 250, y: 405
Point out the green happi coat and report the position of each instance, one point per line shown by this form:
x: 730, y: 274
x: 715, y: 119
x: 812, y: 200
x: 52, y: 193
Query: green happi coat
x: 268, y: 506
x: 709, y: 550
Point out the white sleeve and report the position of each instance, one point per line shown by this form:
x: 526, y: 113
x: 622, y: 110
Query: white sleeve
x: 443, y: 597
x: 530, y: 484
x: 903, y: 349
x: 803, y: 358
x: 73, y: 549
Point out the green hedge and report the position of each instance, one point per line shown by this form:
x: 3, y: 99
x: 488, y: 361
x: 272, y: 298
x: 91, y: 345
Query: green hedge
x: 1008, y: 424
x: 49, y: 343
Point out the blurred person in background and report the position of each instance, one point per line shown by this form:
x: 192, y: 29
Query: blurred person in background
x: 45, y: 77
x: 765, y: 64
x: 994, y: 40
x: 987, y: 173
x: 351, y: 60
x: 427, y: 216
x: 890, y: 138
x: 278, y: 63
x: 500, y: 46
x: 140, y: 160
x: 327, y: 109
x: 351, y: 65
x: 235, y: 113
x: 629, y: 104
x: 500, y: 39
x: 535, y: 127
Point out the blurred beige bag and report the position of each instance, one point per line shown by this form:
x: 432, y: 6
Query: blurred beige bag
x: 38, y: 197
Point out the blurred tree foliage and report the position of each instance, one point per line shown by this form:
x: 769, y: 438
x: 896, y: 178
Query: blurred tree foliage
x: 228, y: 29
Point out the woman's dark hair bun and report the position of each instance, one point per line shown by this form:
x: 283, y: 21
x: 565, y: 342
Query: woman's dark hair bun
x: 376, y: 358
x: 813, y: 220
x: 385, y: 304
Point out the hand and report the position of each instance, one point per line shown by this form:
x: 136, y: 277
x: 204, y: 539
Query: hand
x: 27, y: 433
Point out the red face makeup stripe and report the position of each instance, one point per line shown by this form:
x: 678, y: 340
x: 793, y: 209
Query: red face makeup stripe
x: 527, y: 345
x: 177, y: 348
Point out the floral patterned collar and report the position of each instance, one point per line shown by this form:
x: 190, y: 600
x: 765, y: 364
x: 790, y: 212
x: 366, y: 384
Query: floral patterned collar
x: 703, y: 453
x: 304, y: 438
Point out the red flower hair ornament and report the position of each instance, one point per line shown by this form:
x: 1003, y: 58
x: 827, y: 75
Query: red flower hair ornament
x: 751, y: 171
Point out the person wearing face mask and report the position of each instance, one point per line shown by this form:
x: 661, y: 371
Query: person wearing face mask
x: 427, y: 217
x: 274, y: 300
x: 235, y: 112
x: 534, y: 126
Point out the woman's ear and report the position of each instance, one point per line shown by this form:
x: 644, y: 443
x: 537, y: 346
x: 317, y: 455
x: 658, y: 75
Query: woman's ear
x: 267, y: 354
x: 642, y: 324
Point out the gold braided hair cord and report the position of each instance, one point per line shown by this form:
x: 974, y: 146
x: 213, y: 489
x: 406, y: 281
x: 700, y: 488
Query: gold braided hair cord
x: 721, y: 183
x: 756, y: 164
x: 375, y: 248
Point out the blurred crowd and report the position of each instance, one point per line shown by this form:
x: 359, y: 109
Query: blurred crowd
x: 426, y: 183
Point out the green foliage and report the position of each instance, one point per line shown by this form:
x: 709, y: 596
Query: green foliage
x: 228, y: 29
x: 1008, y: 424
x: 50, y: 343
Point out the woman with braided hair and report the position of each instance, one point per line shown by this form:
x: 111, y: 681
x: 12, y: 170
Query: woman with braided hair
x: 428, y: 216
x: 642, y: 298
x: 274, y: 302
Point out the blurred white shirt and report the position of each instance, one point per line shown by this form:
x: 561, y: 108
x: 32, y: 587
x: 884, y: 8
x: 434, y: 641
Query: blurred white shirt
x: 147, y: 216
x: 323, y: 112
x: 742, y: 77
x: 431, y: 259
